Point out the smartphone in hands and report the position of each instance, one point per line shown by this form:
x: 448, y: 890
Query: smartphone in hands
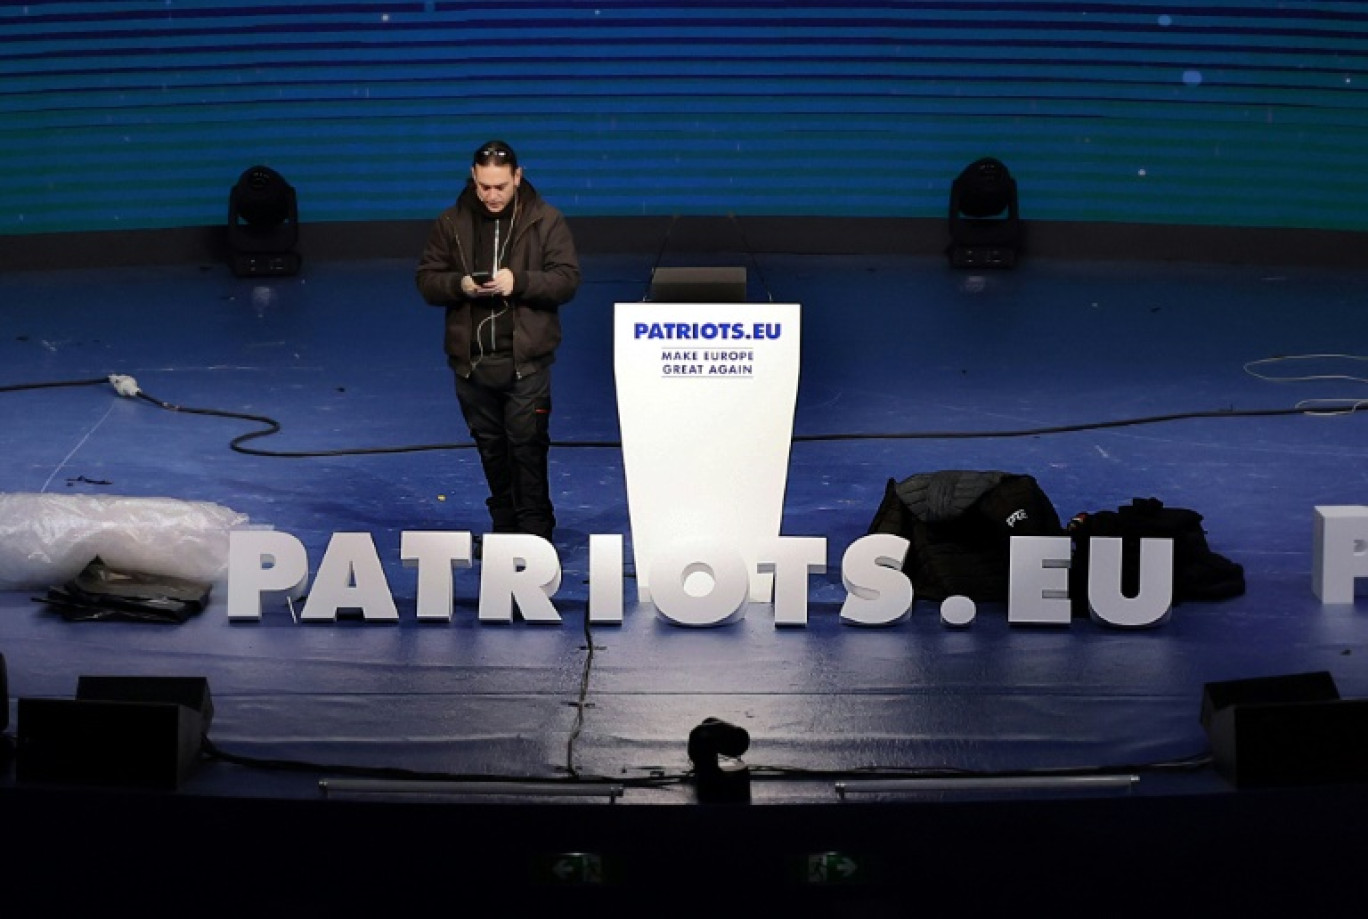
x: 482, y: 279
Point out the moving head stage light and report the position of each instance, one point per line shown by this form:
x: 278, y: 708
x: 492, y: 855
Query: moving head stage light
x: 263, y: 225
x: 720, y: 776
x: 985, y: 225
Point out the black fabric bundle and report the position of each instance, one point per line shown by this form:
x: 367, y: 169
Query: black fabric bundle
x: 1198, y: 572
x: 100, y: 592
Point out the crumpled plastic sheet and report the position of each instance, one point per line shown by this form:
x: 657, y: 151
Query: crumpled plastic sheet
x: 48, y: 539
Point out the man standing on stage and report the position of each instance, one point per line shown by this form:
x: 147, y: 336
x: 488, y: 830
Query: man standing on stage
x: 501, y: 261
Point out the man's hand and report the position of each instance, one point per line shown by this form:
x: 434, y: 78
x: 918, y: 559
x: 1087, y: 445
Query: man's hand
x: 501, y: 285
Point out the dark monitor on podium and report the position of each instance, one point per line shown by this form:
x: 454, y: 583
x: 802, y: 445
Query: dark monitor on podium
x: 698, y: 285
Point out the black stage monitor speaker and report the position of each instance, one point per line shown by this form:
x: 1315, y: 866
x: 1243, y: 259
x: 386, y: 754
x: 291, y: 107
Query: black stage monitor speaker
x: 698, y: 285
x: 6, y: 744
x: 144, y: 732
x: 1286, y: 730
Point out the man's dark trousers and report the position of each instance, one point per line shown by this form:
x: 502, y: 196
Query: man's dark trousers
x: 509, y: 421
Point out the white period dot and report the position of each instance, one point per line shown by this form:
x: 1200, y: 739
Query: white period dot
x: 958, y: 610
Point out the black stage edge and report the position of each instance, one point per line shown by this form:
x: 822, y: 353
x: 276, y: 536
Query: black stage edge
x: 1277, y: 852
x: 671, y: 237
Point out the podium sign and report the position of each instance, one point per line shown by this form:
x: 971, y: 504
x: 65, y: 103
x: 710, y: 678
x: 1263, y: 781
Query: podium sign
x: 706, y: 395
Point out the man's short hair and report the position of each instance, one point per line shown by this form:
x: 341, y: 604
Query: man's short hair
x: 495, y: 153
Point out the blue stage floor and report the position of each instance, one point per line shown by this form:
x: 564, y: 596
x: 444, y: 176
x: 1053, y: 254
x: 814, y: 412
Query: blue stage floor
x: 347, y: 356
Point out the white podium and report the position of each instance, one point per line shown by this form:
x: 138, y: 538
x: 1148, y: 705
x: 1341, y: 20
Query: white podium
x: 706, y: 395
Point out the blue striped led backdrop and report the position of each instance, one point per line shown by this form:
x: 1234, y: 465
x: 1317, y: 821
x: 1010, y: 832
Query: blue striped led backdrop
x: 121, y: 114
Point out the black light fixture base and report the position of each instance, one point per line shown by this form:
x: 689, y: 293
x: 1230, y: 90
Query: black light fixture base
x: 983, y: 257
x: 266, y: 264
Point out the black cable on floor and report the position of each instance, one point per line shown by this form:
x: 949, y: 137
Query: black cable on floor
x: 211, y: 751
x: 269, y: 426
x: 581, y: 701
x: 273, y: 427
x: 1068, y: 428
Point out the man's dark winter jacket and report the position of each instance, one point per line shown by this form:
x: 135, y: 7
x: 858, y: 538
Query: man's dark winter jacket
x: 545, y: 268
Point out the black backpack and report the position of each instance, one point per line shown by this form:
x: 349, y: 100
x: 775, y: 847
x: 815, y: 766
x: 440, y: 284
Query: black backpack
x: 960, y: 525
